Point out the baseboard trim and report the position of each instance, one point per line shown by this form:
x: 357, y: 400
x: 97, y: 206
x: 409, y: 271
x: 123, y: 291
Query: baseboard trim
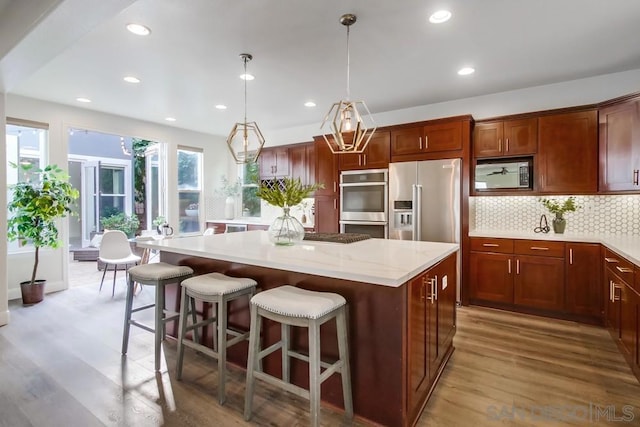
x: 4, y: 317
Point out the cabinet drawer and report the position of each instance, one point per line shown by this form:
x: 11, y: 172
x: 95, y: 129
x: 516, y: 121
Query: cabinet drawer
x: 539, y: 247
x: 485, y: 244
x: 620, y: 266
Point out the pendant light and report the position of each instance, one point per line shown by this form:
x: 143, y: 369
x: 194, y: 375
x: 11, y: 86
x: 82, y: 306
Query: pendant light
x: 245, y: 141
x: 349, y: 122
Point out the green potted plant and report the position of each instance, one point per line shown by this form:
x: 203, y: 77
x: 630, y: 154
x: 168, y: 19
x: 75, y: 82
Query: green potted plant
x: 559, y: 208
x: 289, y: 192
x: 158, y: 222
x: 125, y: 223
x: 34, y: 207
x: 230, y: 191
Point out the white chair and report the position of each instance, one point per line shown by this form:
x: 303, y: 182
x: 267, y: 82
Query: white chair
x: 209, y: 232
x: 115, y: 250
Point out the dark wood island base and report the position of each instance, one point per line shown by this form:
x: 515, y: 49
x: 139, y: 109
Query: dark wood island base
x: 400, y: 338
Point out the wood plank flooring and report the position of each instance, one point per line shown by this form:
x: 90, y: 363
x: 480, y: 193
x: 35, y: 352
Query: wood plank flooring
x: 60, y: 365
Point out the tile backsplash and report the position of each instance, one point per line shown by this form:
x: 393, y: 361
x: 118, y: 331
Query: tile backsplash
x: 617, y: 215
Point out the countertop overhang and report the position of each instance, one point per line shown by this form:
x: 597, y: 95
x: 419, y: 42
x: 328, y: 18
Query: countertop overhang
x: 626, y: 246
x: 378, y: 261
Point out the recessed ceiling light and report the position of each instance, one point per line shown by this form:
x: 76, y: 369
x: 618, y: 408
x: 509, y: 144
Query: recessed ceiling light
x: 85, y: 100
x: 170, y: 119
x: 131, y: 79
x: 221, y: 107
x: 440, y: 16
x: 247, y: 76
x: 466, y: 71
x: 309, y: 104
x: 139, y: 29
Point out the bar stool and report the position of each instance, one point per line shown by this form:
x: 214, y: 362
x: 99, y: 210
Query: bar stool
x: 156, y: 274
x: 291, y: 306
x: 215, y: 288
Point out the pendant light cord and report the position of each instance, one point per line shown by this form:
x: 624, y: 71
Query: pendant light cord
x: 348, y: 66
x: 245, y: 91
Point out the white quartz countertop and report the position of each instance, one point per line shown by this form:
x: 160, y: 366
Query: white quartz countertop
x: 626, y: 246
x: 252, y: 221
x: 378, y: 261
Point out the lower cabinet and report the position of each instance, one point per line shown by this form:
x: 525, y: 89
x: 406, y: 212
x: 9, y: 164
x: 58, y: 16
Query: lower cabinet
x: 548, y: 277
x: 622, y: 307
x: 432, y: 325
x: 327, y: 214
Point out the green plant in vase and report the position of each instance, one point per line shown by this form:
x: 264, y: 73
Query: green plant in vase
x: 559, y: 208
x: 289, y: 192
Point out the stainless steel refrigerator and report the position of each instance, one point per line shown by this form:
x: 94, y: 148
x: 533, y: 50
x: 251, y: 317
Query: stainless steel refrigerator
x: 424, y: 201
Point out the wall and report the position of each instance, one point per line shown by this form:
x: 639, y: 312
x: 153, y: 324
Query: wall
x: 576, y: 92
x: 60, y: 118
x: 613, y: 215
x: 4, y: 306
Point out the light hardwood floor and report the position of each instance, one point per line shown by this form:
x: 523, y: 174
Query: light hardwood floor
x: 60, y: 365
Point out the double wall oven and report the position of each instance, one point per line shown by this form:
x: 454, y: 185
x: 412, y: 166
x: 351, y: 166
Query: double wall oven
x: 364, y: 202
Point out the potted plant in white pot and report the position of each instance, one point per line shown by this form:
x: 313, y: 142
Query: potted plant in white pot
x: 34, y: 207
x: 231, y: 191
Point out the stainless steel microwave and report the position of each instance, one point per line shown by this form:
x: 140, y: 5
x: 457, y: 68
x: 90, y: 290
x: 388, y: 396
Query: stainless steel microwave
x: 500, y: 174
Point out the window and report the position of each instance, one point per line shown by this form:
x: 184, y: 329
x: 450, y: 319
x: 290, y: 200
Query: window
x: 26, y: 144
x: 189, y: 189
x: 250, y: 173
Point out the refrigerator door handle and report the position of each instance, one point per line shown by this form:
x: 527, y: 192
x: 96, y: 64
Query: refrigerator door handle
x: 417, y: 211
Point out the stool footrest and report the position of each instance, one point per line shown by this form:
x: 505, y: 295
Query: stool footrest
x: 142, y: 326
x: 305, y: 358
x: 144, y: 307
x: 292, y: 388
x: 267, y: 351
x: 201, y: 348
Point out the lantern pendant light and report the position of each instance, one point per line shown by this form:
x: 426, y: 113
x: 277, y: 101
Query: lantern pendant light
x: 245, y: 141
x: 350, y: 123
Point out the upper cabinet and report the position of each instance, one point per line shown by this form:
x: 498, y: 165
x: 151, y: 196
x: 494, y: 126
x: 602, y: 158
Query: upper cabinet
x: 620, y: 146
x: 375, y: 156
x: 567, y: 160
x: 412, y: 143
x: 505, y: 138
x: 326, y: 165
x: 301, y: 163
x: 274, y: 163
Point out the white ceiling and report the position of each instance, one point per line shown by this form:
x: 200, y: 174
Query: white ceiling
x: 190, y: 61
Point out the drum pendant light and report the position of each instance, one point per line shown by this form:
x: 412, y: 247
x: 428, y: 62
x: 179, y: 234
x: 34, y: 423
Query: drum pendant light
x: 349, y: 122
x: 245, y: 141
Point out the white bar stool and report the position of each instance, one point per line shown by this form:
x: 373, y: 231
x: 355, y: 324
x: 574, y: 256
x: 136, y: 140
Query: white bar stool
x: 215, y: 288
x: 291, y: 306
x: 156, y: 274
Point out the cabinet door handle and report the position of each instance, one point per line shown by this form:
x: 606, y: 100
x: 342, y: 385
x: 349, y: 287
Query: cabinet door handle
x: 636, y: 176
x: 334, y: 187
x: 364, y: 159
x: 490, y: 245
x: 616, y: 287
x: 507, y: 145
x: 420, y: 140
x: 426, y: 142
x: 517, y: 266
x: 335, y: 204
x: 509, y: 265
x: 570, y: 256
x: 433, y: 296
x: 610, y: 290
x: 422, y: 287
x: 624, y: 269
x: 539, y: 248
x: 611, y: 260
x: 499, y: 144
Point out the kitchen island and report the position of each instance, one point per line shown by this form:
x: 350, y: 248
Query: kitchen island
x: 401, y: 302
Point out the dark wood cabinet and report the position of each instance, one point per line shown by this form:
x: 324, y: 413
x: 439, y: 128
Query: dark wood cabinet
x: 327, y: 215
x: 505, y: 138
x: 491, y: 277
x: 619, y: 127
x: 432, y: 326
x: 583, y: 293
x: 375, y: 156
x: 539, y: 282
x: 567, y: 160
x: 274, y: 163
x: 426, y: 139
x: 302, y: 163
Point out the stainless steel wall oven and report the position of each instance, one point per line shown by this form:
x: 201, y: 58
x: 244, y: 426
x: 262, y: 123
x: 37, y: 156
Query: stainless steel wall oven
x: 364, y: 202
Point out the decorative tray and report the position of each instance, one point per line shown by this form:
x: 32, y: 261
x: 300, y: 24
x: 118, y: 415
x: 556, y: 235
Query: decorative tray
x: 336, y: 237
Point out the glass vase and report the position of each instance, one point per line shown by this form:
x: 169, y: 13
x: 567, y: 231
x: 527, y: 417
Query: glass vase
x: 286, y: 230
